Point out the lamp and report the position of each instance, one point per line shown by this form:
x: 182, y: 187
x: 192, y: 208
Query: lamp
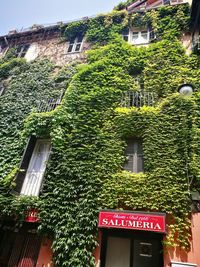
x: 186, y: 89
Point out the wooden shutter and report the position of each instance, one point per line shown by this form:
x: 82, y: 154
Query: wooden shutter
x: 24, y: 163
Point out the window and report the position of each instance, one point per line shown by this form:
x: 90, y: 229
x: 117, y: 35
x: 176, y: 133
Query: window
x: 32, y: 167
x: 134, y: 153
x: 22, y: 50
x: 35, y: 172
x: 19, y: 248
x: 75, y: 44
x: 166, y: 2
x: 125, y: 35
x: 2, y: 89
x: 139, y: 37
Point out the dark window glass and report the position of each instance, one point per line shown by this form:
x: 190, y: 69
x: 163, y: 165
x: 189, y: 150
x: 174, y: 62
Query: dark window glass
x: 78, y: 47
x: 79, y: 39
x: 75, y: 44
x: 70, y: 48
x: 21, y: 50
x: 134, y: 153
x: 125, y: 37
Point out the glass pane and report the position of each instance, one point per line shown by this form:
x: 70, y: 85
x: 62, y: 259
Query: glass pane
x: 130, y: 146
x: 70, y: 48
x: 78, y: 47
x: 129, y: 164
x: 72, y: 41
x: 144, y: 35
x: 140, y: 163
x: 118, y: 252
x: 134, y: 37
x: 125, y: 37
x: 79, y: 39
x: 125, y: 32
x: 36, y: 168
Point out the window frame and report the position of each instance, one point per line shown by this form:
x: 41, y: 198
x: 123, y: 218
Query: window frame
x: 139, y: 32
x: 139, y: 35
x: 74, y: 43
x: 136, y: 144
x: 23, y: 49
x: 26, y: 188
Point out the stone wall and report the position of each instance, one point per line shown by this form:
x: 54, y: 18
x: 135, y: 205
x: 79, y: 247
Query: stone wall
x: 56, y: 51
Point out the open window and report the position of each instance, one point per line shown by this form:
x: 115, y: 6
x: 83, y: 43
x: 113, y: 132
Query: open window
x: 22, y: 50
x: 33, y: 165
x: 134, y: 154
x: 75, y: 44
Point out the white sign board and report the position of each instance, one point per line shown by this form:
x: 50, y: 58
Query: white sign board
x: 182, y: 264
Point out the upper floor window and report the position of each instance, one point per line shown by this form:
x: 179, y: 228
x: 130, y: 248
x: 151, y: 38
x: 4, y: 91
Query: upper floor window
x: 75, y: 44
x: 138, y: 36
x: 134, y: 153
x: 33, y: 165
x: 22, y: 50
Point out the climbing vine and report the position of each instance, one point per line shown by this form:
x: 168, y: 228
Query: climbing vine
x: 89, y: 129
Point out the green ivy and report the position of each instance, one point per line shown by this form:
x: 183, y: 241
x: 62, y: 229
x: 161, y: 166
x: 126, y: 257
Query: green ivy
x: 89, y: 129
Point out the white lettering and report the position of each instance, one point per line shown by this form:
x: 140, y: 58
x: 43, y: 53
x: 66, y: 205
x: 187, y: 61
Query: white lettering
x: 105, y: 221
x: 157, y: 226
x: 146, y: 225
x: 138, y: 224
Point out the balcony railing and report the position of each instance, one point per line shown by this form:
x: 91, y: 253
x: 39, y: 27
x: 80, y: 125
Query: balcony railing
x: 138, y: 99
x: 49, y: 104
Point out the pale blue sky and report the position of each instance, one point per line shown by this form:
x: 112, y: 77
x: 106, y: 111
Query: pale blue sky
x: 18, y: 14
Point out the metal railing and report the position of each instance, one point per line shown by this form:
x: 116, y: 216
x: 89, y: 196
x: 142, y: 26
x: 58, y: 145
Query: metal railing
x: 138, y: 99
x: 49, y: 104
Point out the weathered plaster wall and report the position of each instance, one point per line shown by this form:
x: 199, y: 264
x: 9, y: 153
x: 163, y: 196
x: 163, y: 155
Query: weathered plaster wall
x: 56, y: 50
x: 45, y: 254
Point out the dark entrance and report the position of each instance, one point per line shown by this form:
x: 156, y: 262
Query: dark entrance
x: 121, y: 248
x: 19, y: 249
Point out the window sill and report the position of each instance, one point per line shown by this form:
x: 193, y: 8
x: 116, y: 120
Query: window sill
x: 139, y: 44
x: 75, y: 52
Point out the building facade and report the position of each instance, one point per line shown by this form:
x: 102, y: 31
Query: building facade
x: 99, y: 140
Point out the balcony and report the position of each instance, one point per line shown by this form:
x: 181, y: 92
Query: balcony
x: 49, y: 104
x: 138, y: 99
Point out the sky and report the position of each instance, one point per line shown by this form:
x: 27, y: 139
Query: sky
x: 18, y: 14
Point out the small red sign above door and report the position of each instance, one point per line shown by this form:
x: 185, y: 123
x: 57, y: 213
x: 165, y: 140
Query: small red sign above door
x: 31, y: 216
x: 135, y: 221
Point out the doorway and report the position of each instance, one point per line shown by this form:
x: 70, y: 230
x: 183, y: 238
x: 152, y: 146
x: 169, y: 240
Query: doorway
x: 122, y: 248
x: 19, y: 249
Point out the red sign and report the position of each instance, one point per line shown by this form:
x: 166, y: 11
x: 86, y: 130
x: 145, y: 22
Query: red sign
x: 135, y: 221
x: 31, y: 216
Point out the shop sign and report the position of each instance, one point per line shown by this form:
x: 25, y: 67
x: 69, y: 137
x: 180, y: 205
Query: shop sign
x: 154, y: 222
x: 31, y: 215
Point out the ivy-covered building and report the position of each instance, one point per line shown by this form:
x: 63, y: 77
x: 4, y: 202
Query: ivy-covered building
x: 100, y: 140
